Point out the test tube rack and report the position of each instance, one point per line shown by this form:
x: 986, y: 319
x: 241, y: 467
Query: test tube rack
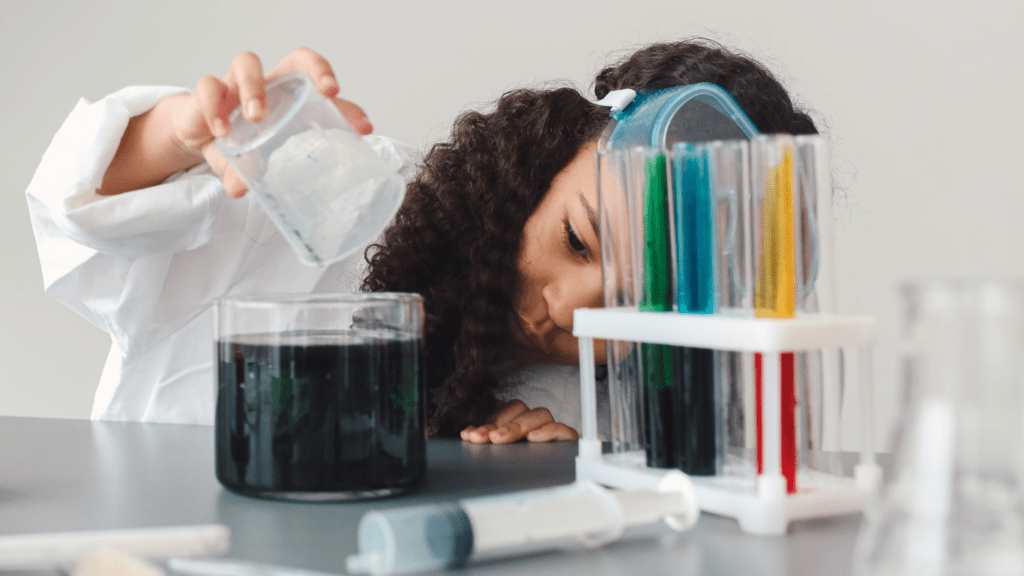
x: 767, y: 508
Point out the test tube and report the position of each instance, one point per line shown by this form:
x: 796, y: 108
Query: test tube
x: 734, y: 296
x: 658, y: 365
x: 620, y: 184
x: 775, y: 246
x: 819, y: 375
x: 695, y: 212
x: 695, y: 423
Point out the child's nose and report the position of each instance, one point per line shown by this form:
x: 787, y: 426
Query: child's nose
x: 572, y: 291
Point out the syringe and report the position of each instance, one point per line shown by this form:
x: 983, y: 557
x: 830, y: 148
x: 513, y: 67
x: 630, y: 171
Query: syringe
x: 420, y: 538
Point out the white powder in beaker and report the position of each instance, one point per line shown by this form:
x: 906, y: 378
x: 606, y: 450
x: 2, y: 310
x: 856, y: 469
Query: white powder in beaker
x: 323, y: 182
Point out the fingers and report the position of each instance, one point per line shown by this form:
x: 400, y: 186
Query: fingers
x: 355, y: 116
x: 513, y: 409
x: 205, y: 114
x: 552, y: 432
x: 478, y: 434
x: 482, y: 434
x: 313, y: 64
x: 246, y: 79
x: 517, y: 428
x: 211, y: 101
x: 516, y: 421
x: 317, y: 67
x: 233, y: 184
x: 214, y: 102
x: 216, y: 98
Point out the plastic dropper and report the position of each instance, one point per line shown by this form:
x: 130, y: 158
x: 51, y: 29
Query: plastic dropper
x: 416, y: 539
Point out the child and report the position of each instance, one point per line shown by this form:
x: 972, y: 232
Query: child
x: 136, y: 233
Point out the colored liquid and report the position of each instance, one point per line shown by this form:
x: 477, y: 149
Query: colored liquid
x: 775, y: 290
x: 327, y: 415
x: 787, y: 435
x: 695, y: 208
x: 696, y: 426
x: 658, y: 369
x: 775, y: 297
x: 678, y: 382
x: 694, y: 392
x: 659, y: 413
x: 657, y: 292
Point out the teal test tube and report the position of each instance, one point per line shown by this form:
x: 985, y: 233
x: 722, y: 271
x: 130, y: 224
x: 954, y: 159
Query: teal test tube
x: 694, y: 421
x: 695, y: 239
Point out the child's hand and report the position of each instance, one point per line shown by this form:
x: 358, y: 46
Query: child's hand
x: 514, y: 421
x: 199, y: 117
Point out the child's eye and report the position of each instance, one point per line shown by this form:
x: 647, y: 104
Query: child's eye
x: 574, y: 241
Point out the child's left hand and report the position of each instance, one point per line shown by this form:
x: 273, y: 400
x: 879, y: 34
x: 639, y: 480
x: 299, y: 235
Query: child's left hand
x: 514, y: 421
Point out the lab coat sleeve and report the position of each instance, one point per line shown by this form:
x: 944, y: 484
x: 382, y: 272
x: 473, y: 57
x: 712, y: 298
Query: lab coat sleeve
x: 86, y: 242
x: 164, y: 218
x: 91, y: 247
x: 145, y: 266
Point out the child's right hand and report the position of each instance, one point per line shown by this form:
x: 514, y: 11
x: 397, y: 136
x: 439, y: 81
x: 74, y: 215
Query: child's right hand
x: 203, y: 115
x: 179, y: 131
x: 515, y: 421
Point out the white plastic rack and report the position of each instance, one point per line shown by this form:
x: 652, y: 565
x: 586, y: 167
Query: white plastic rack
x: 764, y: 507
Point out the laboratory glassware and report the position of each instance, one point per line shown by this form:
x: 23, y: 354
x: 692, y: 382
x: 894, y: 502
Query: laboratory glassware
x: 320, y: 397
x: 321, y: 184
x: 795, y: 476
x: 954, y: 504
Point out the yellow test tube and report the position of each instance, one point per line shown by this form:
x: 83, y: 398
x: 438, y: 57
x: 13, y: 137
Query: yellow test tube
x: 775, y: 292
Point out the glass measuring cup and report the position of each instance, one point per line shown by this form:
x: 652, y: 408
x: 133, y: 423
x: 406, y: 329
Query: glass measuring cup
x: 322, y: 185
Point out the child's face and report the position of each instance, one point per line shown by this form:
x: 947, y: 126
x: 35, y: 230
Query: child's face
x: 560, y: 266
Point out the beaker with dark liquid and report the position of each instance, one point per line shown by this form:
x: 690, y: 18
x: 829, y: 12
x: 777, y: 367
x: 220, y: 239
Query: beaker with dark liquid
x: 320, y: 397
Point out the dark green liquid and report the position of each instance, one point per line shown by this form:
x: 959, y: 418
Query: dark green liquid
x: 678, y: 383
x: 320, y: 416
x: 659, y: 435
x: 694, y: 410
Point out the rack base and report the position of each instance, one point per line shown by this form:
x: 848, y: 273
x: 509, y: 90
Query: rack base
x: 761, y: 507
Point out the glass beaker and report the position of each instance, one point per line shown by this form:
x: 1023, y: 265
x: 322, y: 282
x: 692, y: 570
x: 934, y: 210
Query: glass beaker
x: 324, y: 188
x: 320, y: 397
x: 954, y: 505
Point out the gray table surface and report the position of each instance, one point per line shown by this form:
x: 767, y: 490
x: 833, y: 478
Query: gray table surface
x: 61, y: 475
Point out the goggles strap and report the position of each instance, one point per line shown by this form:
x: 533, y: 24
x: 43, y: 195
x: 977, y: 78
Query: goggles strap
x: 617, y: 100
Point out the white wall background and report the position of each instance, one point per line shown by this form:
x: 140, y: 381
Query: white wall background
x: 923, y: 100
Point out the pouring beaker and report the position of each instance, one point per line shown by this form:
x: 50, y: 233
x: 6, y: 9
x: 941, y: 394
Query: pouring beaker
x: 322, y: 185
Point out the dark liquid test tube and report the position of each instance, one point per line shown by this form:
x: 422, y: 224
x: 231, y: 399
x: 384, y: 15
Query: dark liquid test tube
x: 658, y: 370
x: 693, y: 402
x: 694, y: 392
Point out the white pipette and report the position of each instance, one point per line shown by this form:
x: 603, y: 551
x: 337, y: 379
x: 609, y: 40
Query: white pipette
x: 34, y: 551
x: 416, y: 539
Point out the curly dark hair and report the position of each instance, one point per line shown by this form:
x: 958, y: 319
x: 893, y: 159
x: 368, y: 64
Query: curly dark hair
x: 456, y: 238
x: 761, y: 96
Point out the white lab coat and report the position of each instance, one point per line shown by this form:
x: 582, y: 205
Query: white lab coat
x: 145, y: 267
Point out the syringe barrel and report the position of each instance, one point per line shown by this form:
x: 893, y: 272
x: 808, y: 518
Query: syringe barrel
x: 581, y: 513
x: 420, y: 538
x: 414, y: 539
